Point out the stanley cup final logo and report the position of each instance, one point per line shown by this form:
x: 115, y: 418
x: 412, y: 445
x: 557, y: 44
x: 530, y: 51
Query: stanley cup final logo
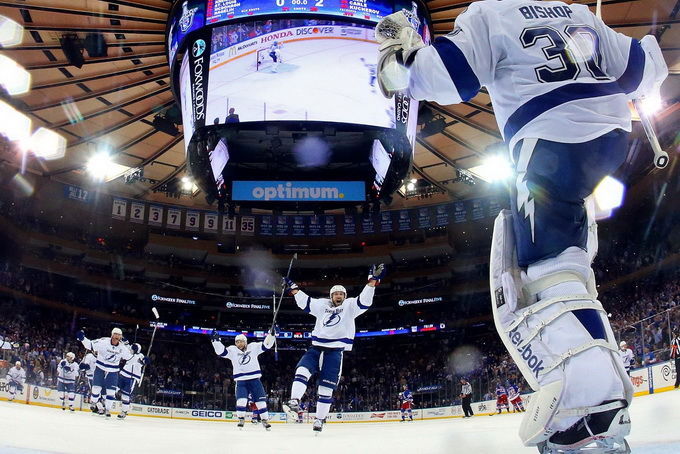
x: 187, y: 18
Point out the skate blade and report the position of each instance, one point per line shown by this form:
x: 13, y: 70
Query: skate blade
x: 607, y: 446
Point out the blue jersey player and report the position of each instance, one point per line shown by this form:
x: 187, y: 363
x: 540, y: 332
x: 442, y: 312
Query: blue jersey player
x: 560, y: 81
x: 333, y: 334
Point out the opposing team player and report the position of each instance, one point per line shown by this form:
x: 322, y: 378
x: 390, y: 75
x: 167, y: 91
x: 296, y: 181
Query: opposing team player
x: 109, y: 352
x: 332, y: 335
x: 560, y: 81
x: 501, y: 398
x: 247, y: 373
x: 67, y: 373
x: 16, y: 377
x: 406, y: 400
x: 130, y: 376
x: 514, y: 397
x: 627, y: 357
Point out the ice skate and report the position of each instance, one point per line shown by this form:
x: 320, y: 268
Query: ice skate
x: 266, y: 425
x: 292, y: 408
x: 318, y: 426
x: 122, y: 415
x: 241, y: 423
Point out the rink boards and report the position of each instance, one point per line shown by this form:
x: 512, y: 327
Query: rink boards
x: 648, y: 380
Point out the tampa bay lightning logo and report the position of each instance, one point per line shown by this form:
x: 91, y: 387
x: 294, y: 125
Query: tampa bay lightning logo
x: 244, y: 359
x: 111, y: 358
x: 198, y: 48
x: 331, y: 319
x: 187, y: 19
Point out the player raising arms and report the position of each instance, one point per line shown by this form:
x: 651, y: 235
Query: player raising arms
x: 560, y: 81
x: 333, y: 334
x: 247, y: 373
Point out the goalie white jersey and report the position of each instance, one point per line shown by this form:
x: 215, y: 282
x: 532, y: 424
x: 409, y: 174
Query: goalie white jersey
x: 553, y: 71
x: 335, y: 327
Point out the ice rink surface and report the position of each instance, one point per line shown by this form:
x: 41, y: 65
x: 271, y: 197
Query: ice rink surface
x: 28, y: 429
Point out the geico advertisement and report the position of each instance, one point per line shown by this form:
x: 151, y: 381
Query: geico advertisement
x: 186, y: 413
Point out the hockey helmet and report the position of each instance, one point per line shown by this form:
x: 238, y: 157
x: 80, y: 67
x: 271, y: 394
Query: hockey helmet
x: 241, y: 337
x: 622, y: 344
x: 116, y: 331
x: 70, y: 356
x: 337, y: 288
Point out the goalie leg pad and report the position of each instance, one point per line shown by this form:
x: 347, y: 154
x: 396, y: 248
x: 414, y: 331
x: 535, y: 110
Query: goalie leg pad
x: 557, y: 333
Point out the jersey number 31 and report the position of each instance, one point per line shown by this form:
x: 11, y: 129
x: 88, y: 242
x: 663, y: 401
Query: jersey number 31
x: 579, y: 44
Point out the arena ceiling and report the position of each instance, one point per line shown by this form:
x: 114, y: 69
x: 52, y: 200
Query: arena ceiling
x: 113, y: 99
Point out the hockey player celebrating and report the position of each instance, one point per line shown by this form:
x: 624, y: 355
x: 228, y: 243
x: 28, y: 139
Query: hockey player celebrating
x: 560, y: 81
x: 332, y: 335
x: 67, y: 373
x: 16, y: 377
x: 514, y: 397
x: 501, y: 398
x: 627, y: 357
x: 406, y: 400
x: 247, y: 373
x: 130, y: 376
x: 109, y: 352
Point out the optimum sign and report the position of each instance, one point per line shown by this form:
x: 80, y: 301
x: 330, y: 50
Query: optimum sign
x: 299, y: 191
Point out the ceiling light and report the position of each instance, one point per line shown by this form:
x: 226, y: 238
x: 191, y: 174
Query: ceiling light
x: 15, y: 125
x: 651, y: 104
x: 187, y: 184
x: 11, y: 33
x: 609, y: 194
x: 494, y: 168
x: 47, y: 144
x: 410, y: 187
x: 414, y: 180
x: 13, y: 77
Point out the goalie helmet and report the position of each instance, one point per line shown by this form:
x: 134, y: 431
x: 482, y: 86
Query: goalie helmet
x: 337, y: 288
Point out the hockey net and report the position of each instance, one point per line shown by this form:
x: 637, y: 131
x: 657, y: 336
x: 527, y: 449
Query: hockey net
x: 263, y: 60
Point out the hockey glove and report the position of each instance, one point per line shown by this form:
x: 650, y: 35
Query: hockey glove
x: 376, y: 273
x: 290, y: 286
x: 147, y: 360
x: 135, y: 348
x: 215, y: 336
x: 399, y: 42
x: 84, y: 366
x: 80, y: 335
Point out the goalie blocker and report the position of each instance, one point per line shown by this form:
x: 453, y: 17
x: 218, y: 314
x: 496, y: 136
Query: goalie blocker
x: 555, y: 351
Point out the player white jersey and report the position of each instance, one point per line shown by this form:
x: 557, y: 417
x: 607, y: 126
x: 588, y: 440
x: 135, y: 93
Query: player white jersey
x: 553, y: 71
x: 108, y: 355
x: 91, y: 361
x: 627, y: 358
x: 67, y: 372
x: 16, y: 375
x: 335, y: 327
x: 5, y: 345
x: 245, y: 364
x: 133, y: 367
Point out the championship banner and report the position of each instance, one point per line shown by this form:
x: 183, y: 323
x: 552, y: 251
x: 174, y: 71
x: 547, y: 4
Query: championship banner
x: 424, y: 221
x: 477, y: 209
x: 247, y: 225
x: 367, y: 224
x: 330, y: 228
x: 266, y: 227
x: 119, y: 209
x: 299, y: 226
x: 137, y: 211
x: 442, y: 215
x: 494, y: 207
x: 349, y: 226
x: 174, y: 219
x: 155, y: 215
x: 386, y: 221
x: 404, y: 220
x: 228, y: 225
x: 210, y: 222
x: 459, y: 212
x: 282, y: 226
x: 315, y: 226
x: 192, y: 220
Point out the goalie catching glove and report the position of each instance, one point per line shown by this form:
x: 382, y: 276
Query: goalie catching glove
x: 399, y: 42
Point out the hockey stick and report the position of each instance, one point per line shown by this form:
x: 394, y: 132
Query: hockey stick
x: 148, y: 350
x: 283, y: 290
x: 660, y: 156
x: 276, y: 347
